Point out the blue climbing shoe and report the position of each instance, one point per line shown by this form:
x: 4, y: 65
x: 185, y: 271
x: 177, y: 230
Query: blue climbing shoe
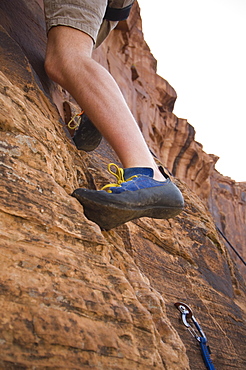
x: 136, y: 194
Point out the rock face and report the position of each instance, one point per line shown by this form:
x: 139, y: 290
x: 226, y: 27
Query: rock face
x: 227, y: 203
x: 74, y: 297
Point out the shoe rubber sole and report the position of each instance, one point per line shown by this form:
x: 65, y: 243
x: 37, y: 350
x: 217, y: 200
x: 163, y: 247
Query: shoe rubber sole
x: 112, y: 210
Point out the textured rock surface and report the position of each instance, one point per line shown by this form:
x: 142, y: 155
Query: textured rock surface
x: 227, y: 203
x: 74, y: 297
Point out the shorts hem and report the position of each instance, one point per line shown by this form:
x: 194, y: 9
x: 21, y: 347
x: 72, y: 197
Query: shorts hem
x: 73, y: 24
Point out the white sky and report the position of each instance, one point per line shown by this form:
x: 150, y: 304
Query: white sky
x: 200, y: 46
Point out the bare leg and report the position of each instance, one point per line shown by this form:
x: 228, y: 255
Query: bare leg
x: 69, y: 63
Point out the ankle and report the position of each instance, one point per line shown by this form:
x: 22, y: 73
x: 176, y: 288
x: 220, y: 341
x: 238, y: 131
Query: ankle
x: 158, y: 175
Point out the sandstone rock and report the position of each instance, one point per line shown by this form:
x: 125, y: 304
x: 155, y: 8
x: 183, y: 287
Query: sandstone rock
x: 74, y: 297
x: 227, y: 203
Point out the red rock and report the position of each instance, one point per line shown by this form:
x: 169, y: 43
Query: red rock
x: 72, y: 296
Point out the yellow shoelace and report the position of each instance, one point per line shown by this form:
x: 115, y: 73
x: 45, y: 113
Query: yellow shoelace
x: 119, y: 174
x: 73, y: 123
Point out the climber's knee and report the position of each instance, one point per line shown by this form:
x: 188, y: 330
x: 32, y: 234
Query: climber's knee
x: 65, y: 47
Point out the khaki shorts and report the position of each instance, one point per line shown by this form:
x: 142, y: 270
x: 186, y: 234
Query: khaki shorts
x: 84, y: 15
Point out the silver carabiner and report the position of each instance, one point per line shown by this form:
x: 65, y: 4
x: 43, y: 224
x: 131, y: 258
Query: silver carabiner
x: 186, y: 314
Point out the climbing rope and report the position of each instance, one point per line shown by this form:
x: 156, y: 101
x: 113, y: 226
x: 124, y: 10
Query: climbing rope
x: 196, y: 331
x: 233, y: 248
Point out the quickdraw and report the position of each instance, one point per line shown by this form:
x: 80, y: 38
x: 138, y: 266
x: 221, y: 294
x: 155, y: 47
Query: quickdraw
x: 196, y: 331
